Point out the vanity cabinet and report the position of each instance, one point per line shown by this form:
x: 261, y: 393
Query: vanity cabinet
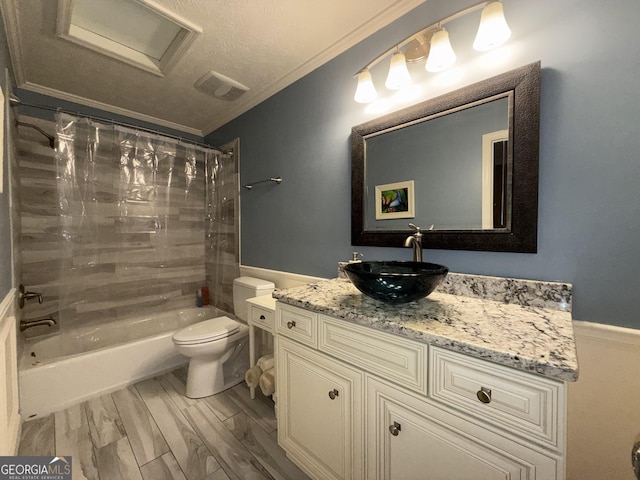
x: 410, y: 438
x: 320, y: 409
x: 355, y: 402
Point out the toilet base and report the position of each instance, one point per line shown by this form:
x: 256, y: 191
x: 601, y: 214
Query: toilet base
x: 206, y: 382
x: 206, y: 377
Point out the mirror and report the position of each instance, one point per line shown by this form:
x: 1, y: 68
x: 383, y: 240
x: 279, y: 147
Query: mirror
x: 465, y: 162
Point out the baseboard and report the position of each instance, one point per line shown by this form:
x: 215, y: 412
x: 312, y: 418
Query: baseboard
x: 628, y: 337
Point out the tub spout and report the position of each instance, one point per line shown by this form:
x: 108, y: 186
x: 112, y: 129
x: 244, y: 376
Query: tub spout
x: 24, y: 324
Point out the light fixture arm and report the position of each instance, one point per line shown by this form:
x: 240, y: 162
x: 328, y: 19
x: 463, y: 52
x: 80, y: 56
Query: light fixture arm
x: 426, y: 32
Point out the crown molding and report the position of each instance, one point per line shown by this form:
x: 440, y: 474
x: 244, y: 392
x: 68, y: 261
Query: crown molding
x: 360, y: 33
x: 51, y: 92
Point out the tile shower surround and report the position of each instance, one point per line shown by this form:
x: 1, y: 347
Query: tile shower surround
x: 151, y: 260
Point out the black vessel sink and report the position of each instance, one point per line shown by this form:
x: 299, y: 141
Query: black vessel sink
x: 396, y: 282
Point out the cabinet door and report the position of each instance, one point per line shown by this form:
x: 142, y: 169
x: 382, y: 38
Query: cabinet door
x: 410, y: 438
x: 320, y: 405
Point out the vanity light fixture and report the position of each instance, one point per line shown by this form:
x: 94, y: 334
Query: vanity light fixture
x: 441, y: 55
x: 432, y: 43
x: 398, y: 76
x: 365, y: 92
x: 493, y: 30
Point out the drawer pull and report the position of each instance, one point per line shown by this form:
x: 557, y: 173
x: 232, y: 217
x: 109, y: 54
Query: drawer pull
x: 291, y: 324
x: 333, y: 394
x: 484, y: 395
x: 395, y: 429
x: 262, y: 317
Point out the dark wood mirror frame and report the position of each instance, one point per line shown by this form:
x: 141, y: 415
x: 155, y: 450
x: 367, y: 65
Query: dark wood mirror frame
x: 524, y: 131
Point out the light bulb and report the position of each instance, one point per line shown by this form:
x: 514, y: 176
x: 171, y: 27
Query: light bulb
x: 493, y: 30
x: 398, y: 76
x: 365, y: 92
x: 441, y: 55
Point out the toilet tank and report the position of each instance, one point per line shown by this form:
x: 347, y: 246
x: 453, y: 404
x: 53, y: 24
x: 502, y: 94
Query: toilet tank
x: 245, y: 288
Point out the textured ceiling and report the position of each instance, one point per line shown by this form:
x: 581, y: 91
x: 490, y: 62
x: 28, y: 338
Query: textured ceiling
x: 265, y: 45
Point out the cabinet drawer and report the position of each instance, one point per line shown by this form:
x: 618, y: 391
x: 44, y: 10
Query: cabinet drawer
x: 384, y: 354
x: 262, y: 317
x: 298, y: 324
x: 518, y: 402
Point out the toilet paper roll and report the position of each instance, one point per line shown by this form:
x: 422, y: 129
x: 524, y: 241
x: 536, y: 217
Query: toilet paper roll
x: 252, y: 376
x: 266, y: 362
x: 268, y: 382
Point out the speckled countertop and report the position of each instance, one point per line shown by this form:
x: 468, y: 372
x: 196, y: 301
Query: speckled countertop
x: 524, y: 337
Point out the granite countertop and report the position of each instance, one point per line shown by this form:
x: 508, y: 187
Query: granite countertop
x: 529, y: 338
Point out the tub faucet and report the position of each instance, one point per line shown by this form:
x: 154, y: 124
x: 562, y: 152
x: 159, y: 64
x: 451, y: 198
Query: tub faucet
x: 24, y: 324
x: 415, y: 241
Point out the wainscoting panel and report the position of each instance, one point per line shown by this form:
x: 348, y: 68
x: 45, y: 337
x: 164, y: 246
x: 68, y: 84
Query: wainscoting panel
x: 9, y: 408
x: 604, y: 404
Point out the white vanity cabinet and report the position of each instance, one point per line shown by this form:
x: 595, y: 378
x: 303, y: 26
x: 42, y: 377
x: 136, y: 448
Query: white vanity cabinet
x: 320, y: 412
x: 403, y: 410
x: 410, y: 438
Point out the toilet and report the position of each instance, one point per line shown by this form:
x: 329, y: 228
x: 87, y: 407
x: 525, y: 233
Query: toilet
x: 213, y: 343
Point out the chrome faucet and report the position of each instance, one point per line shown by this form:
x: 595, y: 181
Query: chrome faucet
x: 415, y: 241
x: 24, y: 324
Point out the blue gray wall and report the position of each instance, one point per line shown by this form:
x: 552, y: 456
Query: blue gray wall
x: 5, y: 226
x: 589, y: 216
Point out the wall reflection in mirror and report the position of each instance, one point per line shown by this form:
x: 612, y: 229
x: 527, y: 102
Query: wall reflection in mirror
x: 458, y: 158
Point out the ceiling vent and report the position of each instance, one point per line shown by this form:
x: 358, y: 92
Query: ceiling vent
x: 219, y: 86
x: 138, y: 32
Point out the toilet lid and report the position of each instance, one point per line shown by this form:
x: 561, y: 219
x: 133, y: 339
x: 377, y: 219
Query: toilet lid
x: 207, y: 331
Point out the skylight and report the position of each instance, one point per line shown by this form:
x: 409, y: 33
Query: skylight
x: 137, y: 32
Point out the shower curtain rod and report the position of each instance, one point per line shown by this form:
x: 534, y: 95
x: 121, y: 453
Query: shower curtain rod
x: 16, y: 102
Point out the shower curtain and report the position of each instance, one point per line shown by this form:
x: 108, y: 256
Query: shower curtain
x: 146, y: 221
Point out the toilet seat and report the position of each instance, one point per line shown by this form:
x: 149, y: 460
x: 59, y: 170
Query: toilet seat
x: 206, y: 331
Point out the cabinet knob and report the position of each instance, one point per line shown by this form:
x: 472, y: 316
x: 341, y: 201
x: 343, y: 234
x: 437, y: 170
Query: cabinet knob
x: 291, y: 324
x: 262, y: 317
x: 333, y: 394
x: 395, y: 429
x: 484, y: 395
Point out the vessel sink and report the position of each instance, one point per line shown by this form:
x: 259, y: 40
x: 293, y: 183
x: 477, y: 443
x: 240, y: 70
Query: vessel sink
x: 396, y: 282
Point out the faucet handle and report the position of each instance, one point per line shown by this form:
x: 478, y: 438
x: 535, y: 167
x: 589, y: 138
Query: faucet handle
x: 25, y: 295
x: 419, y: 229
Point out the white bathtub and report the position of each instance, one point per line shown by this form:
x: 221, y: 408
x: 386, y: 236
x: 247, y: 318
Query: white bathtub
x: 64, y: 369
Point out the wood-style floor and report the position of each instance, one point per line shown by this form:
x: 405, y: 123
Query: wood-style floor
x: 152, y: 431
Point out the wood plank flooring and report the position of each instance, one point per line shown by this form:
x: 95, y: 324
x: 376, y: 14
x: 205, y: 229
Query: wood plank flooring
x: 152, y: 431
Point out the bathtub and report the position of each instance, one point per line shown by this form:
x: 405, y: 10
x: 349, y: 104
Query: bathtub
x: 61, y: 370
